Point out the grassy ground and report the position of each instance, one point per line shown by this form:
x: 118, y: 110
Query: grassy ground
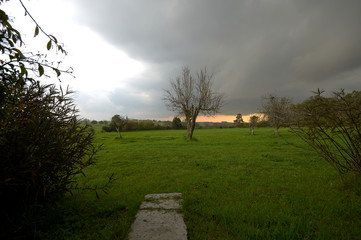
x: 234, y: 185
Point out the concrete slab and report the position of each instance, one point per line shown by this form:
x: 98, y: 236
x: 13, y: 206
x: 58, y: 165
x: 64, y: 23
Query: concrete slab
x: 159, y: 218
x: 169, y: 204
x: 163, y: 195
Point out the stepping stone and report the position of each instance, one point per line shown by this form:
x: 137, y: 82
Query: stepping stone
x: 159, y: 218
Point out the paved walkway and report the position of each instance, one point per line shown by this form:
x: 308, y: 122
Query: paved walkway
x: 159, y: 218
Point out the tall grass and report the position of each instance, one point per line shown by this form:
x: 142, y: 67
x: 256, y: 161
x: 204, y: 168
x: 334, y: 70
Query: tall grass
x: 234, y: 185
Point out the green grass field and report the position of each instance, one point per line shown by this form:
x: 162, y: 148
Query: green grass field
x: 234, y: 185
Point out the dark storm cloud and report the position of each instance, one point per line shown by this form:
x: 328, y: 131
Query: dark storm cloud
x: 253, y: 47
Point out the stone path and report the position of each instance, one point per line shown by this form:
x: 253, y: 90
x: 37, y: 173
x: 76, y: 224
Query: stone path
x: 159, y: 218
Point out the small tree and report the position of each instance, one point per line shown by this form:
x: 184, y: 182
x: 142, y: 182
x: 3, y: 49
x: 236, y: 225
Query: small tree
x: 332, y: 127
x: 176, y: 123
x: 191, y: 96
x: 253, y: 123
x: 239, y: 120
x: 119, y: 123
x: 277, y: 110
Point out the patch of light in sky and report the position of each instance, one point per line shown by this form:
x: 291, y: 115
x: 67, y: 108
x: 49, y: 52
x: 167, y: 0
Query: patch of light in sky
x: 98, y: 66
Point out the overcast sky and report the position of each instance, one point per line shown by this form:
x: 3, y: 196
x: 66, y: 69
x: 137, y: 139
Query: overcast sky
x: 124, y: 52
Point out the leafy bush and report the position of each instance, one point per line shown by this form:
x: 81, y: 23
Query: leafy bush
x: 177, y: 123
x: 332, y: 127
x: 43, y: 146
x: 108, y: 128
x: 132, y: 125
x: 146, y: 125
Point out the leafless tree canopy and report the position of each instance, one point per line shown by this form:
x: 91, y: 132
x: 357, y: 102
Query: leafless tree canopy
x: 191, y: 96
x: 277, y: 110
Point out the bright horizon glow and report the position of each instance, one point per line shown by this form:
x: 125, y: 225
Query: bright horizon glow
x: 218, y: 118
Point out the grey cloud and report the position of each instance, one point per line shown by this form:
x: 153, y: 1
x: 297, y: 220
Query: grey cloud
x: 253, y: 47
x: 140, y: 104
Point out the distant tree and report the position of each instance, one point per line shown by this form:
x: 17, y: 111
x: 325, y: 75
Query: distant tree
x: 239, y: 120
x: 85, y: 120
x: 332, y: 127
x: 191, y: 96
x: 176, y: 123
x: 94, y: 122
x: 119, y: 122
x: 277, y: 110
x: 253, y: 123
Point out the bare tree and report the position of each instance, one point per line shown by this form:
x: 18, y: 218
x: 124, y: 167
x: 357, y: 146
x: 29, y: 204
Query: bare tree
x: 253, y: 120
x: 119, y: 123
x: 277, y: 110
x: 191, y: 96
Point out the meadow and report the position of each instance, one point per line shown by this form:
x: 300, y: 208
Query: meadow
x: 234, y: 186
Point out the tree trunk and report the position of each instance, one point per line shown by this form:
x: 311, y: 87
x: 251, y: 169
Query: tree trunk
x: 252, y: 130
x: 118, y: 130
x: 189, y: 132
x: 190, y: 128
x: 276, y: 131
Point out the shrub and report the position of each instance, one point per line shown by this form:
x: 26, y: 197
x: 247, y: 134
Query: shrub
x: 332, y: 127
x: 43, y: 146
x: 108, y: 128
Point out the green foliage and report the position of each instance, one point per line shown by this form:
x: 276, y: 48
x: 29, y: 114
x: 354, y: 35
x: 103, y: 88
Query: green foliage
x: 239, y: 121
x: 253, y: 121
x: 332, y: 127
x: 108, y: 128
x: 146, y: 125
x: 119, y: 123
x: 176, y: 123
x: 26, y: 64
x: 134, y: 125
x: 42, y: 145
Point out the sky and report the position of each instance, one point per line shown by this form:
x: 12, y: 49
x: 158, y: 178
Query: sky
x: 125, y: 53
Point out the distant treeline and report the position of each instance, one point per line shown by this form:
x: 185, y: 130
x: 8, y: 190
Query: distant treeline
x: 138, y: 125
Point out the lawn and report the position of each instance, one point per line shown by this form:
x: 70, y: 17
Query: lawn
x: 234, y: 185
